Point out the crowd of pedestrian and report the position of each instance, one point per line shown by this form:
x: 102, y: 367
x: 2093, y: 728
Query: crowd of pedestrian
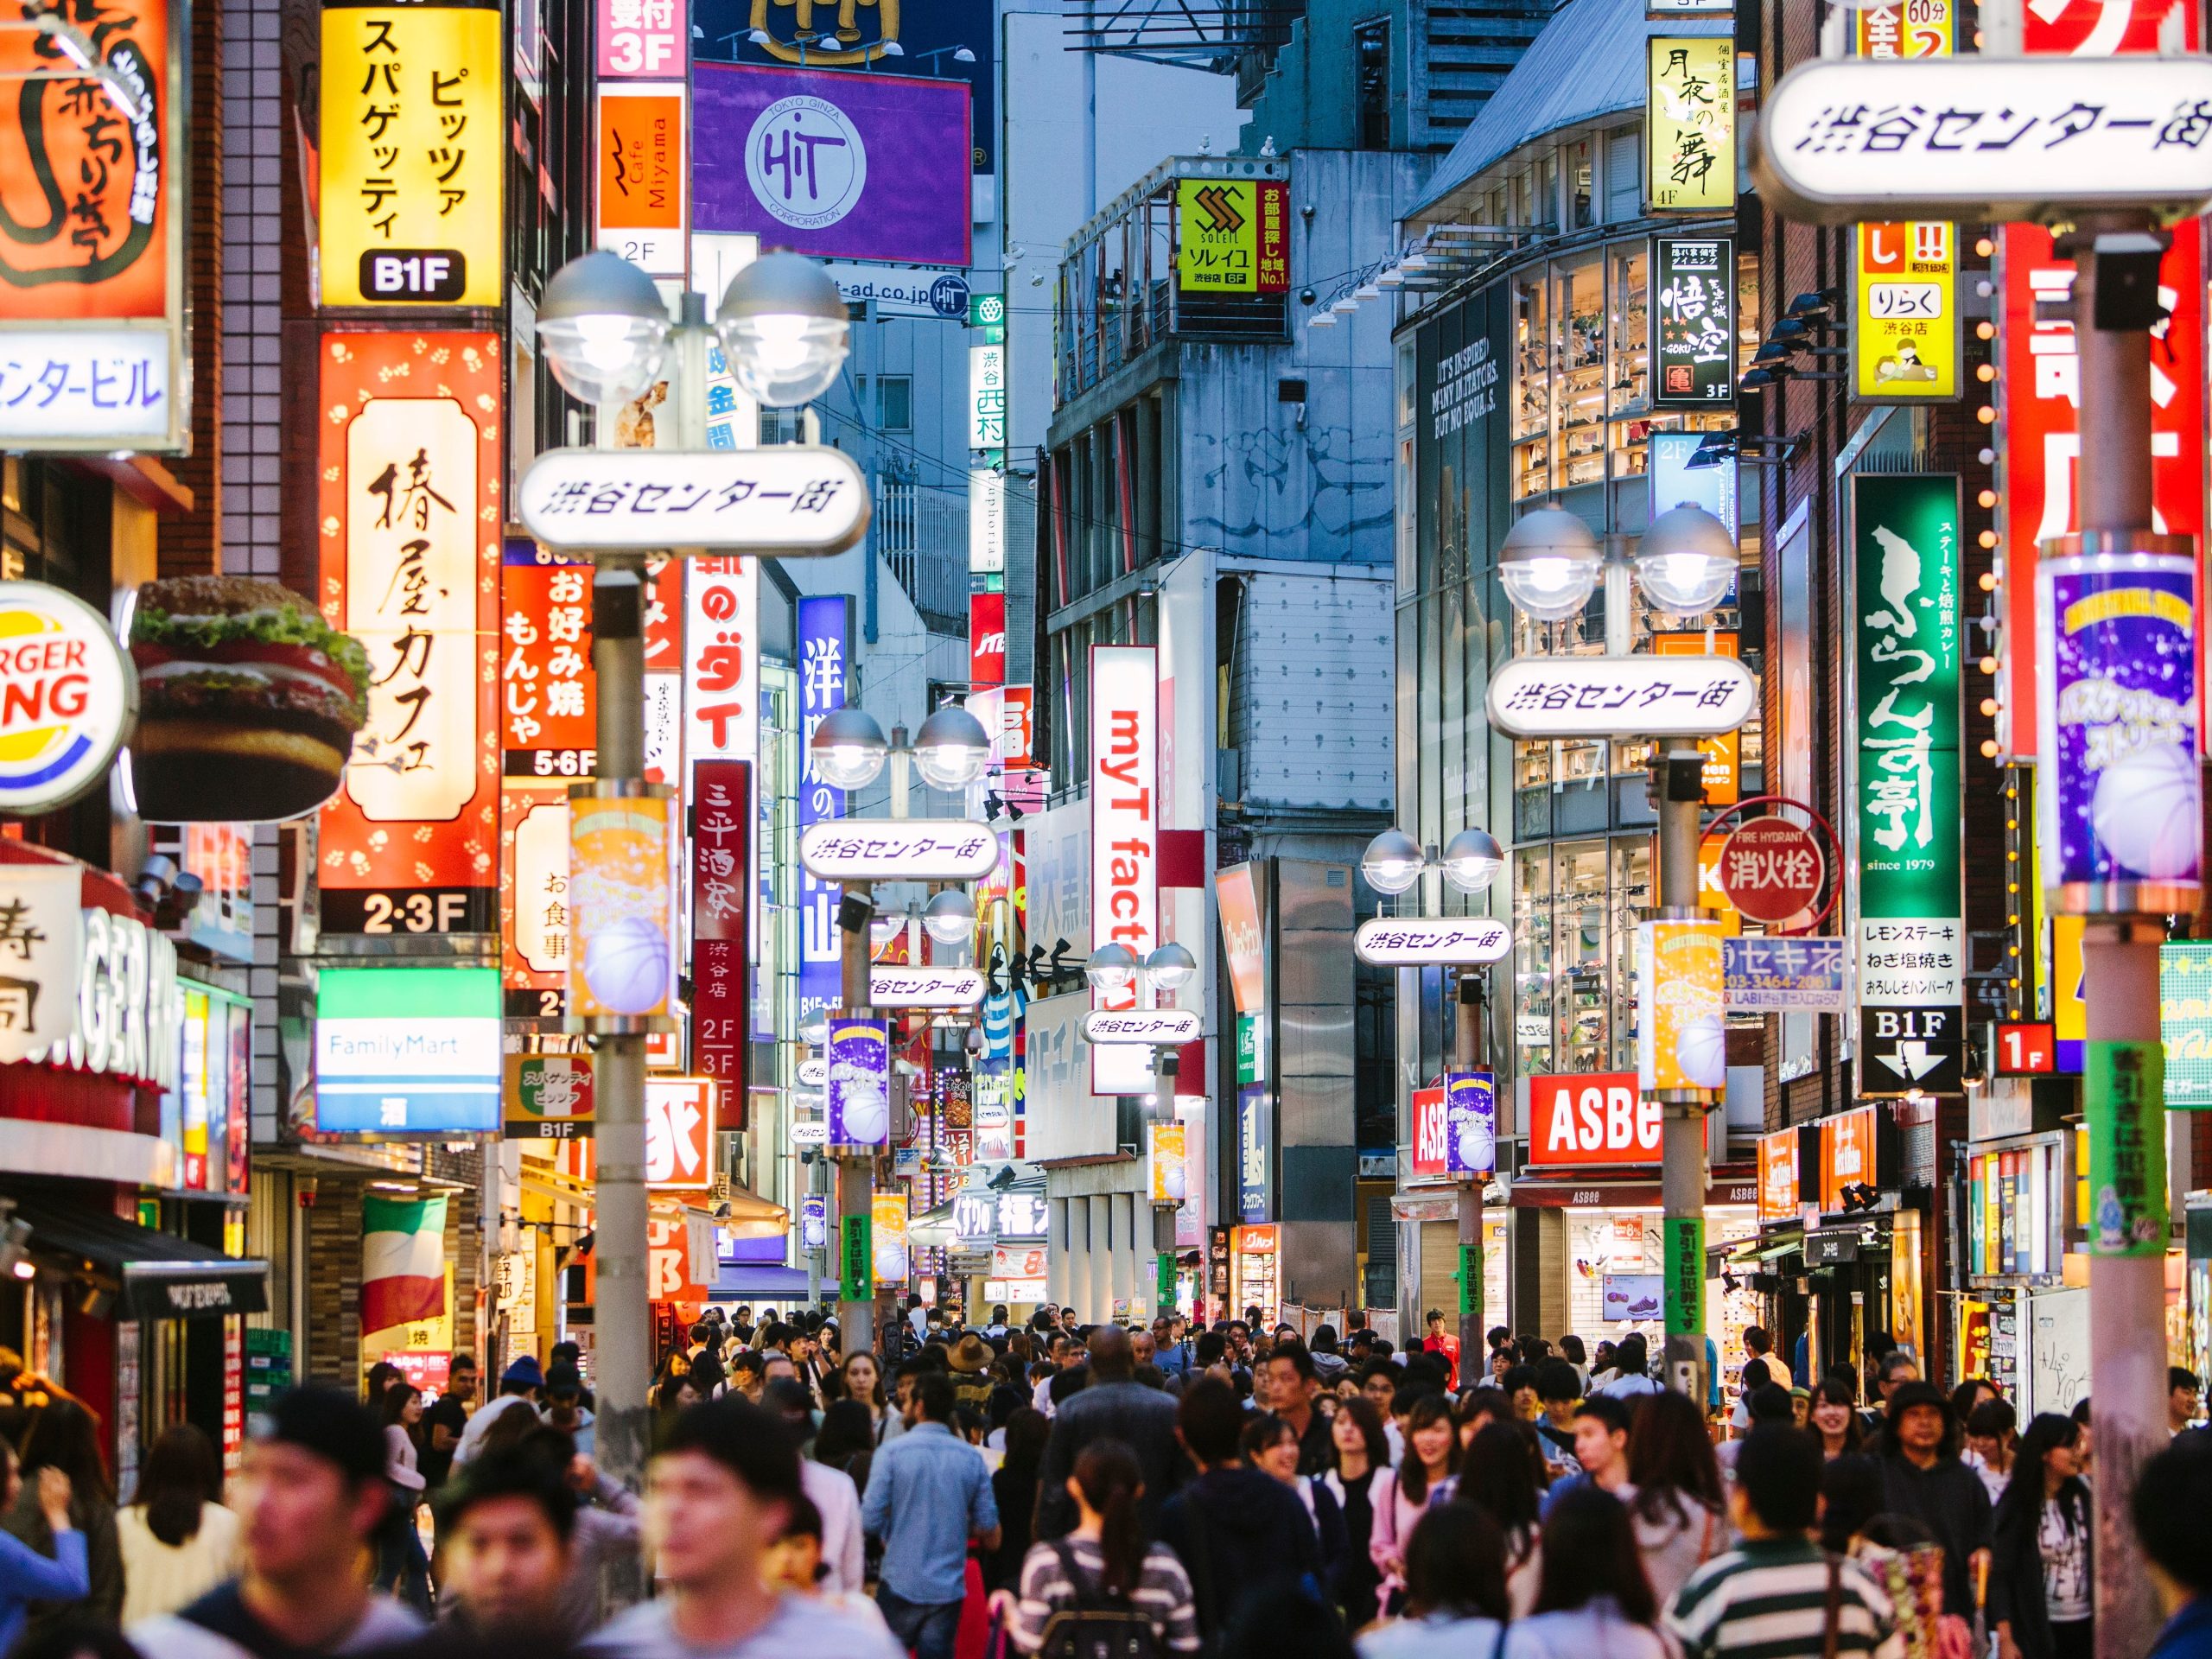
x: 990, y: 1491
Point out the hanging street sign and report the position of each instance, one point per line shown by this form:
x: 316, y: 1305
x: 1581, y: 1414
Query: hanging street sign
x: 1782, y: 975
x: 1415, y: 941
x: 922, y: 849
x: 1621, y: 696
x: 791, y: 499
x: 1772, y: 870
x: 1161, y: 1027
x: 924, y: 987
x: 1987, y: 138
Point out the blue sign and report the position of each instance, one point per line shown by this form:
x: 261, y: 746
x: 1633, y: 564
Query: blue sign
x: 814, y: 1221
x: 825, y: 652
x: 1255, y: 1161
x: 407, y: 1050
x: 1785, y: 976
x: 1470, y: 1122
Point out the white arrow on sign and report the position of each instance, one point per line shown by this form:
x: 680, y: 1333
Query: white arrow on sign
x: 1912, y: 1061
x: 788, y: 499
x: 1621, y: 696
x: 923, y: 850
x: 1414, y: 941
x: 1158, y: 1027
x: 924, y: 987
x: 1986, y: 137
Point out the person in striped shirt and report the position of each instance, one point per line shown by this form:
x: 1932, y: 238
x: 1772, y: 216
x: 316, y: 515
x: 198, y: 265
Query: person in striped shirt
x: 1778, y: 1595
x: 1105, y: 1561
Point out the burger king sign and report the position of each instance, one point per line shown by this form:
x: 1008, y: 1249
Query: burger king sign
x: 68, y: 697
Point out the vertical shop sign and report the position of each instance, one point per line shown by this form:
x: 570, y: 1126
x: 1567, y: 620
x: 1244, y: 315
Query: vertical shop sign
x: 407, y: 513
x: 1690, y: 124
x: 2127, y: 1148
x: 721, y: 664
x: 1124, y: 838
x: 1911, y: 929
x: 986, y: 639
x: 414, y: 157
x: 1778, y: 1176
x: 1684, y: 1250
x: 1471, y: 1124
x: 548, y: 710
x: 534, y: 899
x: 856, y: 1254
x: 987, y: 398
x: 621, y: 905
x: 986, y: 522
x: 92, y: 250
x: 1432, y: 1135
x: 824, y: 649
x: 641, y: 37
x: 2104, y: 29
x: 2185, y: 1023
x: 1693, y: 321
x: 1255, y: 1152
x: 642, y: 176
x: 1905, y: 329
x: 722, y: 901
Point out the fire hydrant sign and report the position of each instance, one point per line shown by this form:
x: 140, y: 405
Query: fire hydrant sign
x: 1772, y: 870
x: 791, y: 499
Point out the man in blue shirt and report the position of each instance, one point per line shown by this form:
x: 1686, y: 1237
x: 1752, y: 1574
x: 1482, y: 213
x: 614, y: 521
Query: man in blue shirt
x: 928, y: 1494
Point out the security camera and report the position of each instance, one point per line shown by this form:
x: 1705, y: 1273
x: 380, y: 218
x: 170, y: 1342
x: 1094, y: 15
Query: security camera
x: 1306, y: 296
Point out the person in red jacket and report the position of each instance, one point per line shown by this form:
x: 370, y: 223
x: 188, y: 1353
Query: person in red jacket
x: 1438, y: 1342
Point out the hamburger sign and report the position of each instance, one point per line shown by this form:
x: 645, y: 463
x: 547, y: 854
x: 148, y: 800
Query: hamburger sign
x: 68, y: 697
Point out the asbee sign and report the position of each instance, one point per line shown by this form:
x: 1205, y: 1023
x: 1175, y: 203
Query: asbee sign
x: 1595, y: 1118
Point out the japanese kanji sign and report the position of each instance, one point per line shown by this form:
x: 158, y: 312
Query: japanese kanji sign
x: 411, y: 453
x: 680, y: 1134
x: 42, y: 952
x: 1906, y: 604
x: 789, y: 499
x: 1690, y: 124
x: 722, y: 887
x: 1157, y: 1028
x: 1987, y: 138
x: 987, y: 398
x: 824, y: 645
x: 414, y: 156
x: 534, y: 925
x: 548, y: 1097
x: 920, y: 850
x: 642, y: 182
x: 1231, y: 236
x: 1406, y: 941
x: 1772, y: 870
x: 1693, y: 321
x: 1904, y: 337
x: 722, y: 660
x: 924, y: 987
x: 1777, y: 975
x: 548, y: 721
x: 1919, y: 28
x: 1606, y: 696
x: 2184, y: 1022
x: 641, y: 37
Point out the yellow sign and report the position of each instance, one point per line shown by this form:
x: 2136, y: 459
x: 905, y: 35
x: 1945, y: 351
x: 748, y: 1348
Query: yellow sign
x: 1919, y: 28
x: 1682, y: 1036
x: 887, y: 1211
x: 413, y: 158
x: 1690, y: 124
x: 1166, y: 1145
x: 1724, y: 755
x: 1230, y: 237
x: 1904, y: 340
x: 2070, y: 1013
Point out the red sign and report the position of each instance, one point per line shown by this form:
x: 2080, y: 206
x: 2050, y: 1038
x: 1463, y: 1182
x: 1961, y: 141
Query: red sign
x: 2041, y: 406
x: 1429, y: 1132
x: 2104, y: 29
x: 1273, y: 274
x: 1778, y: 1176
x: 986, y: 639
x: 680, y: 1134
x: 1772, y: 870
x: 1846, y: 1154
x: 1595, y: 1118
x: 2025, y: 1051
x: 548, y: 721
x: 668, y: 1257
x: 722, y: 905
x: 1018, y: 729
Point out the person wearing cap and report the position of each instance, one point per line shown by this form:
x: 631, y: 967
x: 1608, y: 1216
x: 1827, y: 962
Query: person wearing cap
x: 564, y: 1409
x: 1923, y: 1480
x: 519, y: 1385
x: 970, y: 1364
x: 310, y: 1495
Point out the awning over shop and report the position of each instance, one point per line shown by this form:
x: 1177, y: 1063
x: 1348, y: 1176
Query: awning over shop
x: 160, y: 1276
x: 754, y: 1282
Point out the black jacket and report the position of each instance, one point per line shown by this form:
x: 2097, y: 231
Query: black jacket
x: 1238, y: 1532
x: 1951, y: 1502
x: 1141, y: 1417
x: 2016, y: 1592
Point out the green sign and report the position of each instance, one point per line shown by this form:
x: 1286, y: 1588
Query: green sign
x: 1685, y: 1267
x: 1251, y: 1048
x: 2185, y: 1023
x: 855, y: 1259
x: 987, y: 313
x: 1164, y: 1281
x: 2122, y: 1098
x: 1471, y: 1279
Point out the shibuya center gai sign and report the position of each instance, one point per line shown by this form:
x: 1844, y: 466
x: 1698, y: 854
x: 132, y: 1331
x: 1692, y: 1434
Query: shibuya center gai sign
x: 924, y: 987
x: 1607, y: 696
x: 1412, y: 941
x: 788, y: 498
x: 1163, y: 1027
x: 926, y: 849
x: 1987, y: 138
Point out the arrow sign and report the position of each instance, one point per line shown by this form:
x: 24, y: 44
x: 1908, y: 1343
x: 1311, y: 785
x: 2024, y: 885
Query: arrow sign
x: 922, y: 849
x: 1621, y: 696
x: 924, y: 987
x: 1159, y: 1027
x: 1912, y: 1061
x: 1986, y: 137
x: 1413, y: 941
x: 788, y: 500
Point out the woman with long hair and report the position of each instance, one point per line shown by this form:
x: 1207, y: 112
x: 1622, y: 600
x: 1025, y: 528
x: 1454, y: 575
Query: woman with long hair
x: 1836, y: 1420
x: 2043, y: 1559
x: 1104, y: 1558
x: 403, y: 1568
x: 1271, y: 1446
x: 1595, y: 1598
x: 1432, y: 1459
x: 1359, y: 1450
x: 1014, y: 1486
x: 64, y: 1434
x: 1496, y: 1478
x: 1679, y: 1508
x: 862, y: 1375
x: 1456, y: 1598
x: 1480, y: 1405
x: 178, y: 1541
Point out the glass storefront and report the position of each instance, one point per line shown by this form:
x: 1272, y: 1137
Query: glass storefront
x: 1574, y: 913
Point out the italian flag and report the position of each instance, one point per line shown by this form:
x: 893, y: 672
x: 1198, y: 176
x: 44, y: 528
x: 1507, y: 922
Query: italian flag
x: 402, y: 1261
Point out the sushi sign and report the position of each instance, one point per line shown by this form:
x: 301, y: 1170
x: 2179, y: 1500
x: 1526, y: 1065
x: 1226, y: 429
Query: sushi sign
x: 1595, y: 1118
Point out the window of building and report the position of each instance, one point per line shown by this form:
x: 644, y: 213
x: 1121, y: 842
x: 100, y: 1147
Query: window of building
x: 1623, y: 176
x: 1532, y: 964
x: 1579, y: 337
x: 895, y: 402
x: 1532, y: 386
x: 1371, y: 50
x: 1629, y: 394
x: 1580, y: 199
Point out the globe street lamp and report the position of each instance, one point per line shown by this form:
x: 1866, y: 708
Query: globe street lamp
x: 1549, y: 564
x: 784, y: 329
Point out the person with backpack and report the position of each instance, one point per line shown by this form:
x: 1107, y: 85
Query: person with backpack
x: 1102, y: 1588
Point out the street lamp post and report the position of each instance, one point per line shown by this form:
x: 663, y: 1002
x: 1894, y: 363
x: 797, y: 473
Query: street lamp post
x: 1550, y: 564
x: 1114, y: 969
x: 606, y: 335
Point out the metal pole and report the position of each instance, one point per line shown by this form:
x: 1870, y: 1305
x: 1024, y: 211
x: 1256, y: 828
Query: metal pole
x: 2128, y: 1340
x: 621, y: 1346
x: 856, y: 1192
x: 1470, y: 1205
x: 1682, y: 1170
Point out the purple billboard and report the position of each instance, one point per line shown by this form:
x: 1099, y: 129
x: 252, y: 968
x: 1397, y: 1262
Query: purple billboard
x: 842, y: 165
x: 860, y: 1083
x: 1470, y: 1122
x: 2118, y: 683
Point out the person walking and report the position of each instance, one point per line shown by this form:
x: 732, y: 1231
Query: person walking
x: 1291, y: 1381
x: 1102, y: 1563
x: 1443, y: 1345
x: 1015, y: 1486
x: 64, y: 1434
x: 1677, y: 1509
x: 1116, y: 1405
x: 26, y: 1574
x: 519, y: 1386
x: 1992, y: 1444
x: 1238, y: 1534
x: 1777, y: 1594
x: 1922, y: 1479
x: 928, y: 1494
x: 1631, y: 1368
x: 836, y: 1497
x: 1456, y: 1598
x: 1594, y: 1599
x: 1432, y: 1459
x: 1269, y: 1445
x: 1363, y: 1453
x: 2043, y: 1559
x: 177, y: 1540
x: 2173, y: 1494
x: 1496, y: 1477
x: 505, y: 1529
x: 311, y: 1494
x: 445, y: 1420
x: 1836, y: 1420
x: 403, y: 1568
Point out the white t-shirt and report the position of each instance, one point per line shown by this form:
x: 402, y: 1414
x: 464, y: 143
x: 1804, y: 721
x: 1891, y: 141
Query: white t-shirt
x: 472, y: 1435
x: 817, y: 1628
x: 844, y: 1549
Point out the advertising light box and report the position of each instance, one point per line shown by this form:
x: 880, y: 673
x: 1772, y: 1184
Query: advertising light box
x: 401, y: 1051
